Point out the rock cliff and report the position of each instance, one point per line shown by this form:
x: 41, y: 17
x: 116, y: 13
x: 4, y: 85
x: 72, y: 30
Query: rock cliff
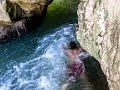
x: 99, y: 34
x: 17, y: 15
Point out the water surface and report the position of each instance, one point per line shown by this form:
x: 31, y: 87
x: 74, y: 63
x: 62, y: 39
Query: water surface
x: 37, y: 61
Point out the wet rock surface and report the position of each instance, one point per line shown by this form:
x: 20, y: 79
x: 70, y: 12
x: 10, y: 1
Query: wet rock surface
x: 19, y: 16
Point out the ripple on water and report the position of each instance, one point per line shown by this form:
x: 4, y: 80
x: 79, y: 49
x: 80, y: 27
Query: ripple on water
x: 47, y: 70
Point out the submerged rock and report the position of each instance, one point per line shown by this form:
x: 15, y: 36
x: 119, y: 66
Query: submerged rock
x: 18, y: 16
x: 99, y: 34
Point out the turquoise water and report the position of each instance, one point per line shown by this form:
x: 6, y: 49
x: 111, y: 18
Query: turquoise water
x: 36, y: 61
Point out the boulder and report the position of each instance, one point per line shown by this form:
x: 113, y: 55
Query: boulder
x: 99, y: 34
x: 20, y: 15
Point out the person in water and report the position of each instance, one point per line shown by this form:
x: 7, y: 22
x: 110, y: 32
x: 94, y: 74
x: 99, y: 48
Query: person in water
x: 75, y: 66
x: 76, y: 69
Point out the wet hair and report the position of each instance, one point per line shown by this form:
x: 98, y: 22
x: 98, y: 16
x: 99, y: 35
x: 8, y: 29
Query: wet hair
x: 73, y: 45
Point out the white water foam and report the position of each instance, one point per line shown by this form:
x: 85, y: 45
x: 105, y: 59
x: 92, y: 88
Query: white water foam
x: 46, y: 71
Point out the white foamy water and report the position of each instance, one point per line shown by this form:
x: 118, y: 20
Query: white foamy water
x: 47, y: 69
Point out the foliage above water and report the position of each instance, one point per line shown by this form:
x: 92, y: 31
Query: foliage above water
x: 63, y: 6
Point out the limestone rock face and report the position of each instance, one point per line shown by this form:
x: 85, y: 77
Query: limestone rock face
x: 99, y: 34
x: 18, y: 14
x: 4, y: 17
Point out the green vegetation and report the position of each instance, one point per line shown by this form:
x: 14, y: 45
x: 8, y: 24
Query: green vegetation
x: 64, y: 6
x: 61, y: 12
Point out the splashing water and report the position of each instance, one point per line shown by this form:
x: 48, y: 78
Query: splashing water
x: 47, y: 68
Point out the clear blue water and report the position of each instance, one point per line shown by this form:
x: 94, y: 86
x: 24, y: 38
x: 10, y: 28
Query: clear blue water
x: 37, y: 61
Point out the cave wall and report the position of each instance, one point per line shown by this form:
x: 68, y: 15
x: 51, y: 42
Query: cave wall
x: 99, y: 34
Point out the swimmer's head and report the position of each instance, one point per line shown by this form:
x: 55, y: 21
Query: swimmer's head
x: 73, y: 45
